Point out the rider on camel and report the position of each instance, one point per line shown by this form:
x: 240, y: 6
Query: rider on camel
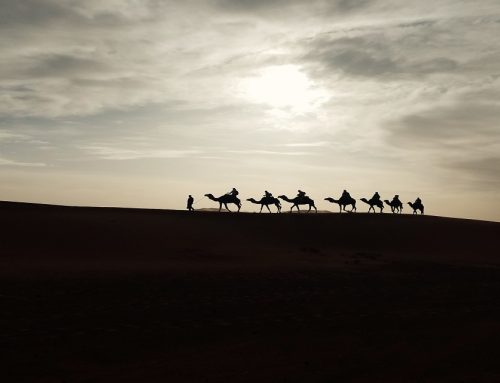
x: 268, y: 194
x: 376, y: 197
x: 345, y: 195
x: 395, y: 200
x: 301, y: 194
x: 233, y: 192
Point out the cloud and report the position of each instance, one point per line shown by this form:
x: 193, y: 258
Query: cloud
x: 307, y: 144
x: 375, y: 56
x: 62, y: 65
x: 402, y: 51
x: 8, y: 162
x: 269, y: 152
x: 115, y: 153
x: 261, y: 6
x: 485, y: 171
x: 461, y: 135
x: 464, y: 122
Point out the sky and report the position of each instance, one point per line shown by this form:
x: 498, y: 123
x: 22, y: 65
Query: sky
x: 141, y: 102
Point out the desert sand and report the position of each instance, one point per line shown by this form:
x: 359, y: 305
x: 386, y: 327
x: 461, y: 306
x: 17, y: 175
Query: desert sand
x: 135, y: 295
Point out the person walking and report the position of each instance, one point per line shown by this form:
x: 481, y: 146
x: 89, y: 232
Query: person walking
x: 190, y: 203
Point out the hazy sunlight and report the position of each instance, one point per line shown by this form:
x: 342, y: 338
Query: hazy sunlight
x: 284, y: 86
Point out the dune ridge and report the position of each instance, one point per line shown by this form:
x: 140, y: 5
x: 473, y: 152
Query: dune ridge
x: 78, y: 234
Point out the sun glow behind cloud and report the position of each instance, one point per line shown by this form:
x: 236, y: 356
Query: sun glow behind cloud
x: 284, y: 88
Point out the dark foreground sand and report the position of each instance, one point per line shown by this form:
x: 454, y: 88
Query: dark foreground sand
x: 129, y: 295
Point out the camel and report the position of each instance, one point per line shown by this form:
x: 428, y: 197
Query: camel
x: 373, y: 203
x: 266, y: 201
x: 299, y: 201
x: 396, y: 206
x: 343, y: 202
x: 224, y: 200
x: 416, y: 207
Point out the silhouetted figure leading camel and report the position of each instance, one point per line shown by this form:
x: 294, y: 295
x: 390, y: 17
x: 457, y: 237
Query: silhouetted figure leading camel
x: 224, y: 200
x: 302, y: 200
x: 266, y: 201
x: 190, y: 202
x: 417, y: 205
x: 343, y: 201
x: 378, y: 203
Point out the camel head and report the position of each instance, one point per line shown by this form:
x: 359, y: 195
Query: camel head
x: 210, y: 196
x: 329, y: 199
x: 364, y: 200
x: 252, y: 200
x: 283, y: 197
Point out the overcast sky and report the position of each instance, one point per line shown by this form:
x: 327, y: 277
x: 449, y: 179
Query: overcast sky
x: 142, y: 102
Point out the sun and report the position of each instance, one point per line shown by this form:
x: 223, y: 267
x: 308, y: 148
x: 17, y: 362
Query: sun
x: 283, y: 87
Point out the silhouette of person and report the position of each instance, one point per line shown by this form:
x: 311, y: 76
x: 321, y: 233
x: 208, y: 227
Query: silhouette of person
x: 418, y: 202
x: 268, y: 194
x: 345, y: 195
x: 376, y: 197
x: 395, y: 200
x: 190, y: 202
x: 301, y: 194
x: 233, y: 192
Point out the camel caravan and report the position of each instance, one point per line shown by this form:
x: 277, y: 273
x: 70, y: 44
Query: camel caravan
x: 343, y: 202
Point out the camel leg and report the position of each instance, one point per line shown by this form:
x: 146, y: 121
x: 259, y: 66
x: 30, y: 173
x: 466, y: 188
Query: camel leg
x: 314, y: 206
x: 261, y: 206
x: 225, y: 205
x: 268, y: 208
x: 220, y: 206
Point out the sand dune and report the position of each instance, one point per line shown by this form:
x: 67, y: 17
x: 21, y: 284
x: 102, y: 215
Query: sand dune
x: 128, y: 295
x: 40, y: 233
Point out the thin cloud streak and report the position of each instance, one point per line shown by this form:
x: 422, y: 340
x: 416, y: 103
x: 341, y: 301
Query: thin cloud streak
x: 113, y: 153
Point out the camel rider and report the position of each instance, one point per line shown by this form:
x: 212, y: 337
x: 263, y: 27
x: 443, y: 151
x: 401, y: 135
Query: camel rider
x: 395, y: 201
x: 301, y: 194
x: 268, y: 194
x: 418, y: 202
x: 345, y: 195
x: 376, y: 197
x: 233, y: 192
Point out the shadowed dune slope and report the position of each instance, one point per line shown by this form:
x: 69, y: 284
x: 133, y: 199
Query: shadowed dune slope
x: 132, y: 295
x: 114, y: 235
